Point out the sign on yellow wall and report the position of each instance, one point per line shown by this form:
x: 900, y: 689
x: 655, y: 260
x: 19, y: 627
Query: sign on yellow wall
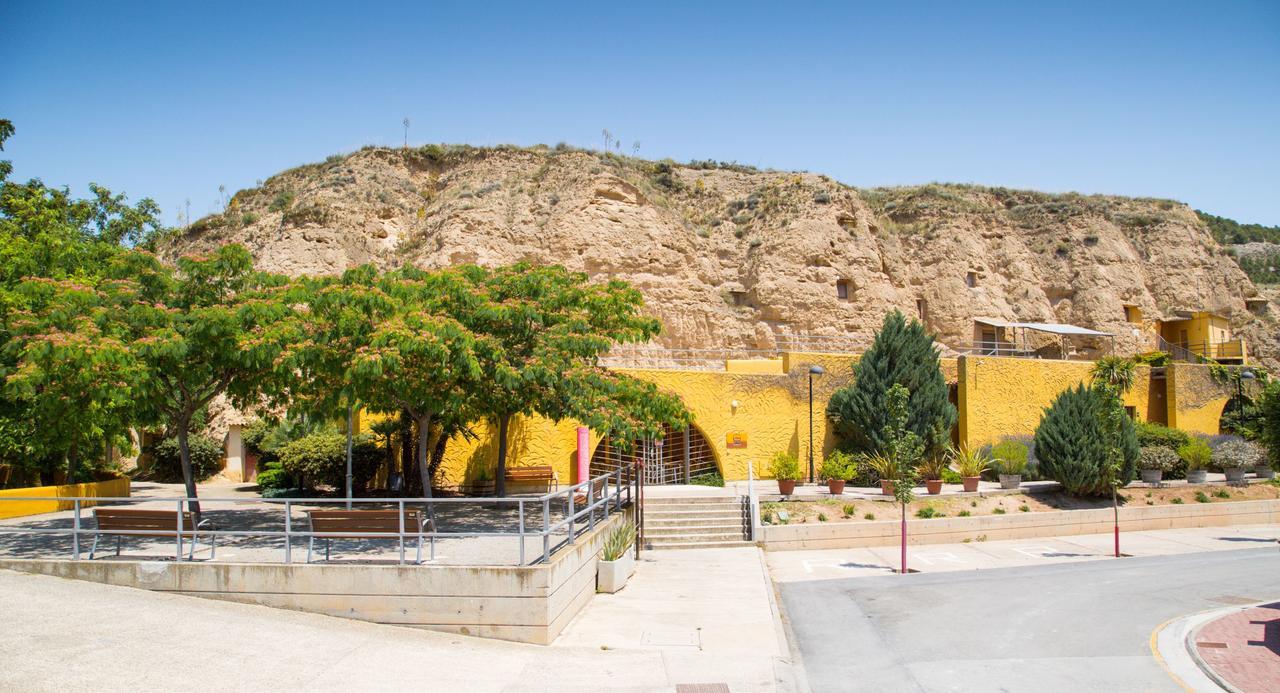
x: 736, y: 439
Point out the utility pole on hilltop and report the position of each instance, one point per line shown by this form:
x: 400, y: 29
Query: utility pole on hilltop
x: 406, y: 133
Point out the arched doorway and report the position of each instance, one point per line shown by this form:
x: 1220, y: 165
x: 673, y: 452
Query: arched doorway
x: 673, y: 459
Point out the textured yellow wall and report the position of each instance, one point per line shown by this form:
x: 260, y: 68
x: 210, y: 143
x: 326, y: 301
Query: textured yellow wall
x: 1007, y: 396
x: 112, y: 488
x: 1196, y: 400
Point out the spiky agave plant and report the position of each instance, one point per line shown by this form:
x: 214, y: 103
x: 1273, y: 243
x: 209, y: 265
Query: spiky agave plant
x: 619, y: 540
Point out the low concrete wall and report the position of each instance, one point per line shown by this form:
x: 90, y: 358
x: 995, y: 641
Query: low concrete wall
x: 844, y: 535
x: 111, y: 488
x: 523, y: 603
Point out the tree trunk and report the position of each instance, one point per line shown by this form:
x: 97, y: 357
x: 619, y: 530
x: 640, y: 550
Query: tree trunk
x: 437, y: 451
x: 499, y: 478
x: 406, y: 451
x: 188, y: 478
x: 424, y: 464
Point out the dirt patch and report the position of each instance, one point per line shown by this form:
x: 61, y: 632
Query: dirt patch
x: 926, y: 507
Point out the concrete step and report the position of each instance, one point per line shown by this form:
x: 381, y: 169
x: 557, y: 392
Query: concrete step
x: 708, y: 521
x: 701, y: 500
x: 694, y: 513
x: 668, y: 546
x: 651, y: 531
x: 682, y: 537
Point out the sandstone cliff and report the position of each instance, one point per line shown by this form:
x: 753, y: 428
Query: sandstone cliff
x: 729, y: 256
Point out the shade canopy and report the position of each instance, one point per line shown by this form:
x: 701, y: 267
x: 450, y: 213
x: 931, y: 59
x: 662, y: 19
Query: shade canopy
x: 1050, y: 327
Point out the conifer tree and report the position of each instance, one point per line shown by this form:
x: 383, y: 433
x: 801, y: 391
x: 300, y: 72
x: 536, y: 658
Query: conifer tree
x: 1073, y: 446
x: 902, y: 354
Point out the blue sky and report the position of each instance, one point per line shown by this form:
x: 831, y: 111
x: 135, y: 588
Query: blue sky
x: 1165, y: 99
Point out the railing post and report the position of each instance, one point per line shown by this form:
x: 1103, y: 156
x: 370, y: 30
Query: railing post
x: 288, y: 533
x: 618, y: 492
x: 75, y: 533
x: 179, y: 532
x: 401, y: 504
x: 571, y: 522
x: 546, y: 529
x: 520, y: 509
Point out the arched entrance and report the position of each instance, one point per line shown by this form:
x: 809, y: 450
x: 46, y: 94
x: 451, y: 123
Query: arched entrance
x: 673, y: 459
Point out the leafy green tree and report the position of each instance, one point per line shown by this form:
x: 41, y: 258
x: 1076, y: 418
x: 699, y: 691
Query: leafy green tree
x: 1269, y: 422
x: 902, y: 354
x: 222, y: 329
x: 544, y: 329
x: 1080, y: 440
x: 904, y: 448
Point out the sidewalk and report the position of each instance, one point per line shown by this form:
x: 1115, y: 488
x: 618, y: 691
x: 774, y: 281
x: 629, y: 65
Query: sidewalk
x: 1242, y: 648
x: 795, y: 566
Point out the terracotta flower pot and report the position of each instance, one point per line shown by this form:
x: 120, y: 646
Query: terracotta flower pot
x: 835, y: 486
x: 786, y: 486
x: 886, y: 487
x: 933, y: 486
x: 970, y: 483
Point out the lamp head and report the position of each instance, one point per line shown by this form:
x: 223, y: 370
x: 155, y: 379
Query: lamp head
x: 816, y: 370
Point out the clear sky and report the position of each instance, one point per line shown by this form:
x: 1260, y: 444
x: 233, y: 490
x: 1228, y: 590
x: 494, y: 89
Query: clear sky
x: 1165, y: 99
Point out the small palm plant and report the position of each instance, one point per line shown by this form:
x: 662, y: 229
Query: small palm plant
x: 969, y: 463
x: 619, y: 540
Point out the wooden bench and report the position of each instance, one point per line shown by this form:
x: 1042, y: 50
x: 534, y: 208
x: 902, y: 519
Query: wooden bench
x: 136, y: 522
x: 367, y: 524
x: 539, y: 474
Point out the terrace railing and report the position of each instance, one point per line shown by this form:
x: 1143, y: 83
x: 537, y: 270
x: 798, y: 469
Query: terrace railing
x: 554, y: 519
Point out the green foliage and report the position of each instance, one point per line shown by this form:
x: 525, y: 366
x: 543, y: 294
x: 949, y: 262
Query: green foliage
x: 1232, y: 232
x: 902, y: 354
x: 1158, y: 457
x: 207, y: 458
x: 1073, y: 447
x: 1159, y: 435
x: 969, y: 462
x: 321, y: 458
x: 1196, y: 454
x: 869, y: 516
x: 282, y: 202
x: 784, y: 466
x: 998, y: 511
x: 1262, y: 268
x: 847, y: 509
x: 838, y: 465
x: 1269, y: 422
x: 1202, y: 497
x: 1221, y: 493
x: 1176, y: 501
x: 1153, y: 358
x: 1237, y: 454
x: 618, y: 540
x: 928, y: 512
x: 708, y: 479
x: 1010, y: 457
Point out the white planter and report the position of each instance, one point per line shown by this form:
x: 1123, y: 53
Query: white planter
x: 1010, y: 481
x: 611, y: 576
x: 1234, y: 473
x: 1197, y: 476
x: 1152, y: 476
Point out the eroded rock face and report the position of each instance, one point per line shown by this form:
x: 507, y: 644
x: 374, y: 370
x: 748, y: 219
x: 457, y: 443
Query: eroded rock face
x: 741, y: 258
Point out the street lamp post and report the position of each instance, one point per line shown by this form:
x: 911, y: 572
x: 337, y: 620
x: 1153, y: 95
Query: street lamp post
x: 1245, y: 374
x: 813, y: 370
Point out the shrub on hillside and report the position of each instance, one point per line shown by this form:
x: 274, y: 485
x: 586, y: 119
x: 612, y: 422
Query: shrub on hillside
x: 1072, y: 448
x: 207, y: 458
x: 321, y: 458
x: 903, y: 353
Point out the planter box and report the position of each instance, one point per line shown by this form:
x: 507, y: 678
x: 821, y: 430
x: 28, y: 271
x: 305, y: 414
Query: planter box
x: 1151, y: 476
x: 1234, y: 474
x: 1265, y: 472
x: 1197, y: 476
x: 1010, y: 481
x: 612, y: 576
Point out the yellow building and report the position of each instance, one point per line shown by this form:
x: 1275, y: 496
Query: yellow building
x: 745, y: 411
x: 1201, y: 333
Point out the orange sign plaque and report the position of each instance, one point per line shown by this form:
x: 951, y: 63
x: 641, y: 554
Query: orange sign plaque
x: 736, y: 439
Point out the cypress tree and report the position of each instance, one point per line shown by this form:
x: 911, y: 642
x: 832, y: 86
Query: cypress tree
x: 902, y: 354
x: 1072, y: 446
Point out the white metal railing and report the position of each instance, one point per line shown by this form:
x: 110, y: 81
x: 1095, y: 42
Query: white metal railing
x: 615, y: 493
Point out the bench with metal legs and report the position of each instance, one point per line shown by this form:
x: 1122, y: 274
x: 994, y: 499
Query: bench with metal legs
x: 367, y: 524
x: 136, y: 522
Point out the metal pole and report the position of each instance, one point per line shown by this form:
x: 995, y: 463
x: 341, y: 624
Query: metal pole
x: 520, y: 506
x: 288, y: 533
x: 350, y: 421
x: 546, y: 529
x: 75, y: 532
x: 811, y: 427
x: 687, y: 430
x: 401, y: 505
x: 571, y: 520
x: 179, y: 532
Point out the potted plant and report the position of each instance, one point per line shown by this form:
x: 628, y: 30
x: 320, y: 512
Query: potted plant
x: 837, y: 469
x: 886, y: 468
x: 969, y: 464
x: 786, y: 469
x: 1010, y: 460
x: 931, y: 469
x: 1154, y: 461
x: 1198, y: 456
x: 617, y: 562
x: 1234, y: 457
x: 1264, y: 470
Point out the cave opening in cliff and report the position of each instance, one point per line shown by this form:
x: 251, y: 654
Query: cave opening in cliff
x: 675, y: 458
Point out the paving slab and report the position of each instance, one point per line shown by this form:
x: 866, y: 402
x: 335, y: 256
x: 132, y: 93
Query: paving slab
x: 1242, y: 648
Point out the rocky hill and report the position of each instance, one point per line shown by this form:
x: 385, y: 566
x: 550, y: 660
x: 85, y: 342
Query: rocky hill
x: 730, y: 256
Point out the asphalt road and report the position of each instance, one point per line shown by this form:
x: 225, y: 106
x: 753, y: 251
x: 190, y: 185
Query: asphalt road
x: 1069, y: 627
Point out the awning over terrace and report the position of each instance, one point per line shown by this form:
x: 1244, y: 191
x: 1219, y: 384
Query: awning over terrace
x: 1062, y: 331
x: 1050, y: 327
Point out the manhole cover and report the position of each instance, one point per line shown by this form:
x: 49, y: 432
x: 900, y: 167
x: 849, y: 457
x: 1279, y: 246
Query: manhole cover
x: 1215, y: 645
x: 671, y: 638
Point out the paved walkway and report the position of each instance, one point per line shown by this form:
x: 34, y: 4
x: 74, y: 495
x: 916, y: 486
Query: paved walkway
x: 687, y: 617
x: 796, y: 566
x: 1242, y: 648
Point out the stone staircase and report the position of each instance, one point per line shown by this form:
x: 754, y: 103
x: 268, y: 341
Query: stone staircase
x: 695, y: 522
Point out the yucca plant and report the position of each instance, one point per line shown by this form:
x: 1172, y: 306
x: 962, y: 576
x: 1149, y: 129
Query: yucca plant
x: 884, y: 466
x: 931, y: 467
x: 969, y: 462
x: 619, y: 540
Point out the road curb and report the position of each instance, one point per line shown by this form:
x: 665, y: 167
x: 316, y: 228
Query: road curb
x: 1173, y: 646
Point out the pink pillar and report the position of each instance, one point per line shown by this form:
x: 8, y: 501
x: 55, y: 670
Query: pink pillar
x: 584, y: 455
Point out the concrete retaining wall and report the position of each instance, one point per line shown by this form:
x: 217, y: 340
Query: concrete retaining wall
x: 522, y: 603
x: 843, y: 535
x: 111, y: 488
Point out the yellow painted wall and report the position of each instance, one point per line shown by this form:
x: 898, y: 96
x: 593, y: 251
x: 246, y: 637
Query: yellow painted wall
x: 1006, y: 396
x: 113, y: 488
x: 1196, y: 400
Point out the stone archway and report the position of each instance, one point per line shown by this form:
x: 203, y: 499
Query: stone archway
x: 672, y: 459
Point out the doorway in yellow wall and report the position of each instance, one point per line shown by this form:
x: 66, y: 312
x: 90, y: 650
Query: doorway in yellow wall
x: 676, y: 457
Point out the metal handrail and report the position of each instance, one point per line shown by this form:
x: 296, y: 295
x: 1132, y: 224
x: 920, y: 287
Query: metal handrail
x: 613, y: 491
